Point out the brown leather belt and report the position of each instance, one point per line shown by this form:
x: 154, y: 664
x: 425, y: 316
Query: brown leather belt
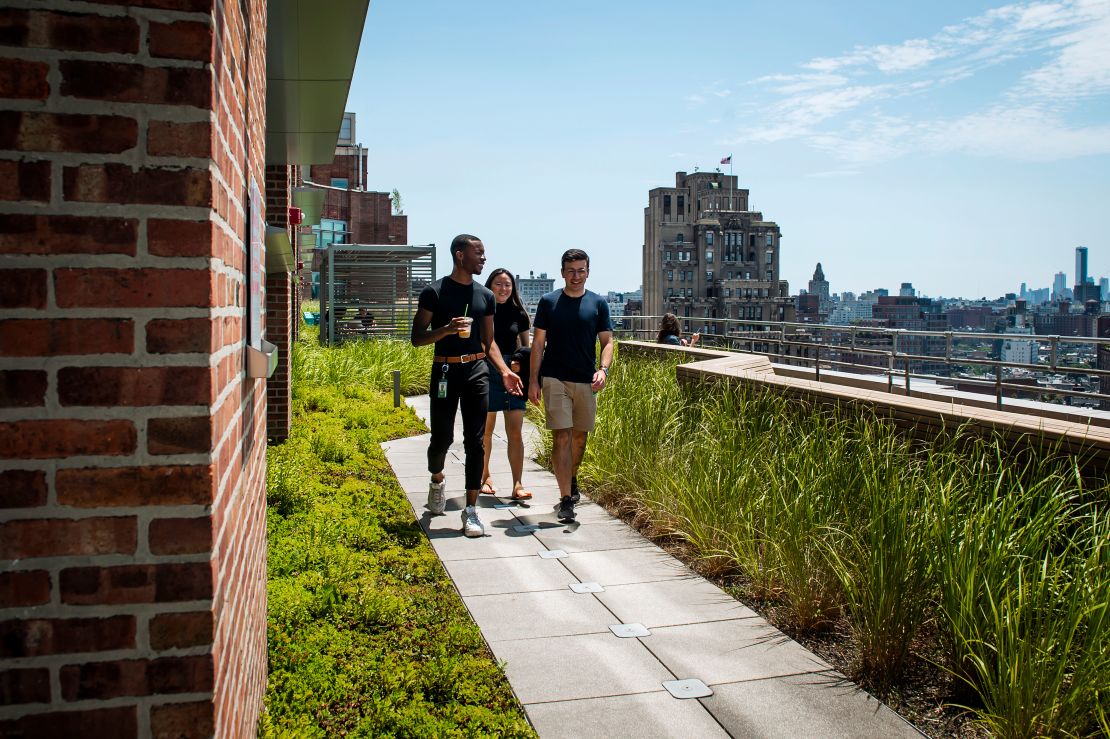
x: 462, y: 359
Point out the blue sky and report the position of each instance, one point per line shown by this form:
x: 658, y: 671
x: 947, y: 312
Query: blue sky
x: 963, y: 146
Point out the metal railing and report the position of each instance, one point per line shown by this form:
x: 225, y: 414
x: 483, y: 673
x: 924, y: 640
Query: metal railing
x: 900, y: 355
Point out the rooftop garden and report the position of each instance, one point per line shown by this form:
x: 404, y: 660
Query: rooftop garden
x: 964, y: 584
x: 367, y: 636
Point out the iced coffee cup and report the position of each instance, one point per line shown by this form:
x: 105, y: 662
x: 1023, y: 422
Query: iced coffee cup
x: 464, y: 332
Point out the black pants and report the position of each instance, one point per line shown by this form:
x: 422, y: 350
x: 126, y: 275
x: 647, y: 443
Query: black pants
x: 468, y: 385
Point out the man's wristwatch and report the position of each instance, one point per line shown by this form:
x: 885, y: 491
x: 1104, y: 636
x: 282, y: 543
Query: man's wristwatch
x: 605, y: 370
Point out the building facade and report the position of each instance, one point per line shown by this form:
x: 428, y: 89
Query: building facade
x: 532, y: 288
x: 706, y: 256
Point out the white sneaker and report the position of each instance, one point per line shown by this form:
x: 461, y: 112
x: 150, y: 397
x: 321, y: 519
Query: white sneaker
x: 471, y: 524
x: 437, y: 499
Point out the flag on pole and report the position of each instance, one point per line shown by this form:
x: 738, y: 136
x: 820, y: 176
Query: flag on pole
x: 727, y: 160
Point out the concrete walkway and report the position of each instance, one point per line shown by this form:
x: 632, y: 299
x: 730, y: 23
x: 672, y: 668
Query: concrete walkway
x: 563, y: 656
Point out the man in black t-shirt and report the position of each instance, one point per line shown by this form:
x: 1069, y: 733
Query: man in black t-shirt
x: 456, y: 313
x: 568, y: 327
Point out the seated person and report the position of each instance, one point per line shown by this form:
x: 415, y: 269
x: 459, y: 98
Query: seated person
x: 670, y: 332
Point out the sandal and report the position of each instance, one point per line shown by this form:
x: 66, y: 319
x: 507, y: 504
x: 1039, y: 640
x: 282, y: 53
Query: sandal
x: 487, y: 488
x: 521, y: 494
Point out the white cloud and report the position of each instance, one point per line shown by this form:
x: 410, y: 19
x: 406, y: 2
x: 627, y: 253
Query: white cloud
x: 1030, y: 133
x: 1081, y: 68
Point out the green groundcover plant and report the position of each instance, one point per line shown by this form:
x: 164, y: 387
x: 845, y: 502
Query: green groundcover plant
x: 367, y: 636
x: 836, y: 516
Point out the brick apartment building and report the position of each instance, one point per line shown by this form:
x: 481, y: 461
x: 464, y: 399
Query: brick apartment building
x: 144, y: 146
x: 706, y: 256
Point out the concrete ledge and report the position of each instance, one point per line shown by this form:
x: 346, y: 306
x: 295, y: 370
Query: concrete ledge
x: 1076, y: 435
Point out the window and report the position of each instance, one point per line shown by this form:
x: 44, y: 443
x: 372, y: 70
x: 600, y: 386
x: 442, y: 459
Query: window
x: 709, y: 238
x: 689, y: 275
x: 770, y: 256
x: 339, y: 182
x: 747, y: 275
x: 684, y: 256
x: 346, y: 134
x: 681, y: 205
x: 666, y: 206
x: 670, y: 275
x: 709, y: 257
x: 770, y: 239
x: 666, y: 256
x: 751, y: 256
x: 689, y: 292
x: 751, y: 239
x: 728, y: 292
x: 681, y: 276
x: 670, y: 292
x: 730, y: 275
x: 679, y: 238
x: 709, y: 275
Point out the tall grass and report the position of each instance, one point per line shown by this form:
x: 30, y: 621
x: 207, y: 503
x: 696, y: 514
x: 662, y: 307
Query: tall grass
x: 836, y: 514
x: 367, y: 363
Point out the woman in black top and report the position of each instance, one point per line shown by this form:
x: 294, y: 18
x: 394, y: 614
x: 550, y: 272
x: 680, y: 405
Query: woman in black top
x: 510, y: 331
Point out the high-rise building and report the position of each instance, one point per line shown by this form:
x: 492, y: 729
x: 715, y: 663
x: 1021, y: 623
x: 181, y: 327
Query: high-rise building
x: 532, y: 288
x: 1104, y: 288
x: 819, y: 286
x: 906, y: 290
x: 1080, y: 265
x: 707, y: 256
x: 1059, y: 286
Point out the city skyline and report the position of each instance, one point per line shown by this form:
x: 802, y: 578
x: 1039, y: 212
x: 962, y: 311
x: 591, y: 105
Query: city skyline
x: 960, y: 146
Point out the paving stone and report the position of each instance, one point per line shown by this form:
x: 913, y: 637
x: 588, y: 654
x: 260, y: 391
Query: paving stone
x: 803, y: 706
x: 585, y: 536
x: 451, y: 548
x: 673, y: 602
x: 586, y: 666
x: 641, y: 716
x: 519, y: 575
x: 622, y: 566
x: 728, y: 651
x: 534, y: 615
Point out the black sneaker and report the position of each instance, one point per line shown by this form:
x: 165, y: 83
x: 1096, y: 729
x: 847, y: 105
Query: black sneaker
x: 566, y: 509
x: 575, y: 493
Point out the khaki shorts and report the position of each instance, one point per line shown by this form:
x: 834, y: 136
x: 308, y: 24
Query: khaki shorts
x: 569, y: 405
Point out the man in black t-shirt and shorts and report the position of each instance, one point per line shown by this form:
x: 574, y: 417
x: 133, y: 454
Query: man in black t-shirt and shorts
x: 450, y: 308
x: 568, y: 326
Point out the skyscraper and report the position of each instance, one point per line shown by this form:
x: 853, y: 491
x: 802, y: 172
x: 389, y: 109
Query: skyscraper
x: 1080, y: 265
x: 1059, y: 286
x: 707, y: 256
x: 819, y: 286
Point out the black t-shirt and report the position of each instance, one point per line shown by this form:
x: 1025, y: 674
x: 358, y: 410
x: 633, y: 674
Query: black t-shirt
x: 572, y: 326
x: 447, y: 299
x: 509, y: 322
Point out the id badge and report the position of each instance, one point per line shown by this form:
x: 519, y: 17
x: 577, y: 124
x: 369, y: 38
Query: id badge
x: 442, y: 391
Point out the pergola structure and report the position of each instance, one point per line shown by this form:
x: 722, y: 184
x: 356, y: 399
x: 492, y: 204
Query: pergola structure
x: 370, y: 290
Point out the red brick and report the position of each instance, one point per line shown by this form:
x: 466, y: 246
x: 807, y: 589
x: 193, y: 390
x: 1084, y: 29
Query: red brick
x: 42, y: 131
x: 22, y: 288
x: 24, y: 588
x: 24, y: 181
x: 24, y: 686
x: 22, y: 388
x: 166, y: 138
x: 174, y: 238
x: 103, y: 680
x: 50, y: 439
x: 132, y: 288
x: 14, y: 27
x: 181, y: 40
x: 134, y: 386
x: 43, y: 636
x: 104, y: 723
x: 181, y: 630
x: 21, y: 337
x: 135, y: 83
x: 22, y: 488
x: 56, y: 234
x: 24, y: 79
x: 81, y: 32
x: 182, y: 721
x: 180, y: 336
x: 181, y: 535
x: 134, y: 486
x: 191, y: 435
x: 59, y: 537
x: 165, y: 583
x: 119, y: 183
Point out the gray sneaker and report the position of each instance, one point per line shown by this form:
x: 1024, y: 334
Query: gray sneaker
x: 437, y: 499
x: 471, y: 524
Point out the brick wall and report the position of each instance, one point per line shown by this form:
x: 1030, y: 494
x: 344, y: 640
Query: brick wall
x: 132, y: 446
